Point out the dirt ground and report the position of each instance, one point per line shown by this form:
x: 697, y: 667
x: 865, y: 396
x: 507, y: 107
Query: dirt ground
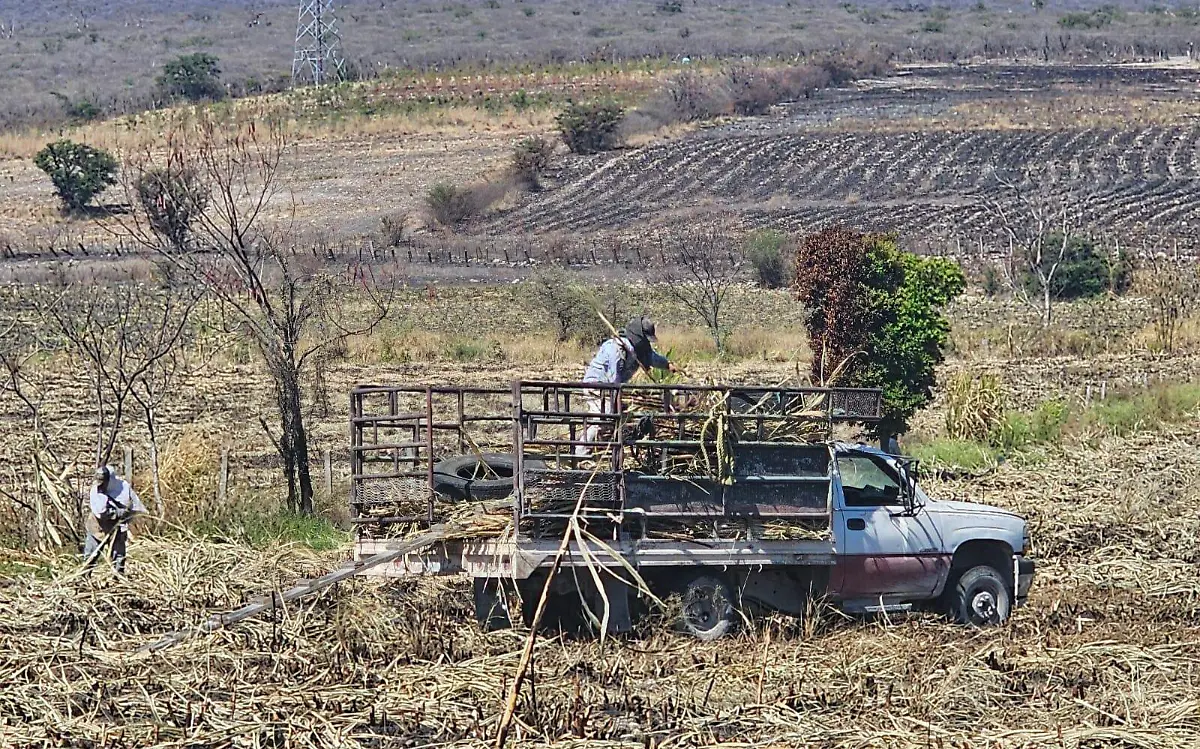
x: 919, y: 152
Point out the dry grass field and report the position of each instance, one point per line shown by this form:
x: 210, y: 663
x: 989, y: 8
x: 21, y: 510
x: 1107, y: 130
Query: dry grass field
x: 1107, y: 652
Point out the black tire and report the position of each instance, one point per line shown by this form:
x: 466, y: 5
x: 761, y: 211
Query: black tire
x: 499, y: 602
x: 981, y: 597
x: 462, y: 476
x: 708, y: 608
x: 491, y: 605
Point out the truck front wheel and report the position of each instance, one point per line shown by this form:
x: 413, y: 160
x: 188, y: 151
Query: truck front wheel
x: 708, y: 612
x: 981, y: 597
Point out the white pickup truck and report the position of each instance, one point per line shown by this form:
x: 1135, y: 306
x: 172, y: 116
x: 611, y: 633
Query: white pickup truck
x: 782, y: 522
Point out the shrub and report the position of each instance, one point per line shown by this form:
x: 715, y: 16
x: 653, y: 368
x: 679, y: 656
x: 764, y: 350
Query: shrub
x: 468, y: 349
x: 975, y: 407
x: 768, y: 253
x: 530, y: 159
x: 391, y: 228
x: 590, y: 127
x: 1085, y: 269
x: 79, y: 110
x: 691, y: 97
x: 993, y: 281
x: 449, y: 205
x: 874, y: 315
x: 78, y: 171
x: 573, y: 310
x: 195, y: 77
x: 753, y: 90
x: 172, y: 200
x: 1093, y: 19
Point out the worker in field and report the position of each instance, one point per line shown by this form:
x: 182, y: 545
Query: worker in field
x: 112, y: 504
x: 616, y: 363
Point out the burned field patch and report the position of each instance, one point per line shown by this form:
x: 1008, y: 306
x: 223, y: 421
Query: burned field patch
x: 1139, y: 182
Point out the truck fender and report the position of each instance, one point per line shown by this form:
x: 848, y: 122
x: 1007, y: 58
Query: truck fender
x: 984, y: 548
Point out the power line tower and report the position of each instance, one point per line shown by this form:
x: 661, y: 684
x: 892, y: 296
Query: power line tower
x: 318, y: 57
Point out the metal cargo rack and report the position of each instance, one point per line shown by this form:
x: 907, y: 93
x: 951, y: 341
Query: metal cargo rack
x: 627, y: 455
x: 666, y: 453
x: 398, y: 433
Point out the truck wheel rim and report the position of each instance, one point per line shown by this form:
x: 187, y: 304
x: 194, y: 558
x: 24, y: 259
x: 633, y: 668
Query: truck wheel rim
x: 701, y: 612
x: 983, y: 606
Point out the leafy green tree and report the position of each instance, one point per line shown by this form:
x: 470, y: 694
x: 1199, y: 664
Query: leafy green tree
x: 1084, y: 271
x: 590, y: 128
x: 79, y: 172
x: 874, y: 317
x: 195, y: 77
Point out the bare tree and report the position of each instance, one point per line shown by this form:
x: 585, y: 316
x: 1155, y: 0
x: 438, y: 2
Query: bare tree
x: 1173, y: 289
x: 1038, y: 217
x: 52, y: 516
x: 124, y: 337
x: 286, y: 302
x: 701, y: 265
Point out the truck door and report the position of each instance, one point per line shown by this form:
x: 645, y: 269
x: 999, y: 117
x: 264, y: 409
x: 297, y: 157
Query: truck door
x: 881, y: 551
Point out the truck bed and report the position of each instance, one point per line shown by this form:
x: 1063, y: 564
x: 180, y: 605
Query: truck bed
x: 518, y: 559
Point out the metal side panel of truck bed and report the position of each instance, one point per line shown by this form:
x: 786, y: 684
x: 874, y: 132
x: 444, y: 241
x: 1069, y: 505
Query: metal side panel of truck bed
x: 520, y: 559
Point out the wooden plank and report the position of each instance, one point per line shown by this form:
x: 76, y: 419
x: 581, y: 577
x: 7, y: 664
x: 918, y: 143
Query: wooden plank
x: 302, y: 588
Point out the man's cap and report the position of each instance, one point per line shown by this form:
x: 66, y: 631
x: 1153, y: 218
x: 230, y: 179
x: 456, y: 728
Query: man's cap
x: 648, y: 329
x: 641, y: 328
x: 101, y: 474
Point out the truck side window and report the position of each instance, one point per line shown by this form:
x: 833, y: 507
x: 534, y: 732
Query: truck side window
x: 867, y: 481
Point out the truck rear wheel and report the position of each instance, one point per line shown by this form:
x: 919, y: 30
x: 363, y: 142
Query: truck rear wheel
x: 708, y: 611
x: 981, y: 597
x: 500, y: 603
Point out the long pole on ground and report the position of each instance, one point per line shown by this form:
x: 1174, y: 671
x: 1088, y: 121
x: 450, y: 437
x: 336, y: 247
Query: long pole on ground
x: 510, y: 707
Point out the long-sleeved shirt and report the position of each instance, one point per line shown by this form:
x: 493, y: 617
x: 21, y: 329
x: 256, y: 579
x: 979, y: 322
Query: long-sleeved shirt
x: 616, y: 363
x: 117, y: 494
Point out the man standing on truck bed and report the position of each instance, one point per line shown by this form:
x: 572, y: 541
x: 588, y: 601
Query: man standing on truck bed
x: 617, y: 362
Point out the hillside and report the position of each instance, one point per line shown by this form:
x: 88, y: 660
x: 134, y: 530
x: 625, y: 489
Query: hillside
x: 110, y: 52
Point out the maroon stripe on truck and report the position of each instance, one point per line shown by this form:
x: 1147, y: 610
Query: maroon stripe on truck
x: 864, y: 575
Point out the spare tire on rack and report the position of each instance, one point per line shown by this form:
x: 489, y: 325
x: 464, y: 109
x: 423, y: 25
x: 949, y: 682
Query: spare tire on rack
x: 465, y: 477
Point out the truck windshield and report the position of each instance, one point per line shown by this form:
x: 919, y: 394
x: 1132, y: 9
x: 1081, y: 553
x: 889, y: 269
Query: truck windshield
x: 867, y: 481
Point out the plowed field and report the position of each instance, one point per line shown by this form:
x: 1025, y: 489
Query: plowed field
x: 1138, y: 182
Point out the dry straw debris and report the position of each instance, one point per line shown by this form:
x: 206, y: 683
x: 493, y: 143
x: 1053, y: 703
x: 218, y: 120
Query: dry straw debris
x: 1106, y: 653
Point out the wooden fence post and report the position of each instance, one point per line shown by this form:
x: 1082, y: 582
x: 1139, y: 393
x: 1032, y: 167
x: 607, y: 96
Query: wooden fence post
x: 129, y: 464
x: 223, y: 479
x: 328, y: 471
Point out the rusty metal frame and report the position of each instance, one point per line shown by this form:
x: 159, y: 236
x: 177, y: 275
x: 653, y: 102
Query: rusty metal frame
x: 547, y: 403
x: 423, y: 429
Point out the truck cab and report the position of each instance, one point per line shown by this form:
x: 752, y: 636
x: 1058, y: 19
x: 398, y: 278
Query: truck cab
x: 896, y: 547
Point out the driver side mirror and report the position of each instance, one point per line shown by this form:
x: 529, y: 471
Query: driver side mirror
x: 908, y: 482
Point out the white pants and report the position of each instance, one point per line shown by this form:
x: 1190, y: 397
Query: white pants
x: 595, y: 405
